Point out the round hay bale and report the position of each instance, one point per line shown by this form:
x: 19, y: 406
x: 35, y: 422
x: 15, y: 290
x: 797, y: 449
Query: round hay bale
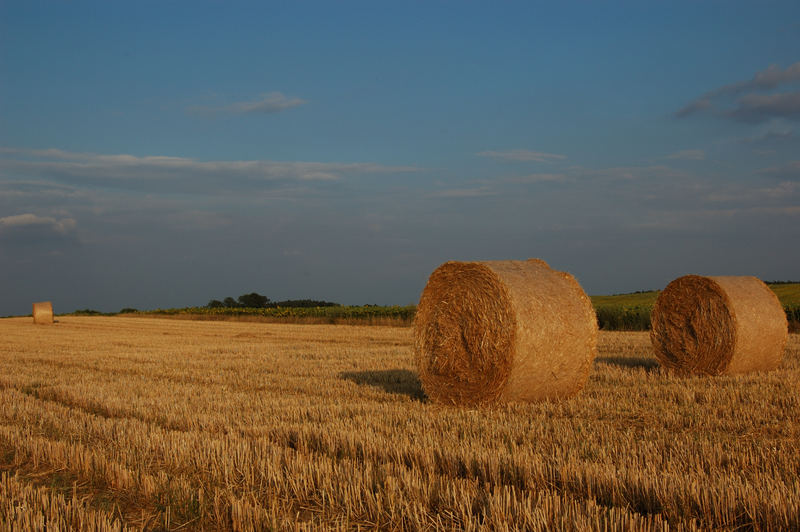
x: 43, y: 312
x: 718, y: 326
x: 500, y: 331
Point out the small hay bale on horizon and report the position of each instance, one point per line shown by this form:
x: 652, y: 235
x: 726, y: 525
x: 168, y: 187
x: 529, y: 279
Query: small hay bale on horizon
x: 499, y: 331
x: 43, y: 313
x: 718, y: 325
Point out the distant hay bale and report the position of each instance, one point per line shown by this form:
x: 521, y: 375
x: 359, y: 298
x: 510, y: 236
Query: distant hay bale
x: 500, y: 331
x: 718, y: 326
x: 43, y: 312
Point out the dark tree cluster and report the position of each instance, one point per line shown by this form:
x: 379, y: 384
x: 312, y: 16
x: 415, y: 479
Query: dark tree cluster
x: 251, y: 300
x: 304, y: 303
x: 255, y: 300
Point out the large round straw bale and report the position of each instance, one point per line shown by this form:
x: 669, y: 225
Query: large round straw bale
x: 43, y: 312
x: 499, y: 331
x: 718, y: 326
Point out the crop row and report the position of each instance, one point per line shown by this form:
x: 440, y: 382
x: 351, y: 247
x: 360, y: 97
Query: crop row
x: 333, y: 313
x: 610, y: 317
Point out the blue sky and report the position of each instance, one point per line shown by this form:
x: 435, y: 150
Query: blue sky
x: 159, y: 154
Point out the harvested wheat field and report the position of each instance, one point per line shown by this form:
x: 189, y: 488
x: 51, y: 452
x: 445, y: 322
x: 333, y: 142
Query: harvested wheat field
x: 124, y: 423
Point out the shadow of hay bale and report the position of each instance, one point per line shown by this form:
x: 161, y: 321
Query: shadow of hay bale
x: 648, y: 364
x: 399, y: 381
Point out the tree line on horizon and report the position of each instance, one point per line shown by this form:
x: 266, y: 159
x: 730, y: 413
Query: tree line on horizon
x: 256, y: 300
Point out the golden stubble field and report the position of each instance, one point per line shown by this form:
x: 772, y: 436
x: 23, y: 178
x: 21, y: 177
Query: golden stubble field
x: 126, y: 423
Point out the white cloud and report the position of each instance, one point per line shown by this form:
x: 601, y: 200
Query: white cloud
x: 108, y: 169
x: 24, y: 190
x: 522, y: 156
x: 267, y: 103
x: 475, y: 192
x: 688, y: 155
x: 634, y: 173
x: 539, y: 178
x: 29, y: 220
x: 743, y: 194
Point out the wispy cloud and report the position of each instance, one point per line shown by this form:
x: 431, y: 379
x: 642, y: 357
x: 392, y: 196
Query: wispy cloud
x: 788, y: 171
x: 522, y: 156
x: 688, y: 155
x: 781, y: 194
x: 268, y: 103
x: 701, y: 104
x: 753, y: 101
x: 23, y: 190
x: 589, y: 176
x: 782, y: 190
x: 772, y: 134
x: 633, y: 173
x: 756, y: 108
x: 62, y: 226
x: 539, y: 178
x: 690, y: 220
x: 111, y: 170
x: 21, y: 231
x: 473, y: 192
x: 769, y: 78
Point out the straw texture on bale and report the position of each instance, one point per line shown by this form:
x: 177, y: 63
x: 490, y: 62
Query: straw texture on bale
x: 718, y: 326
x: 43, y: 312
x: 500, y: 331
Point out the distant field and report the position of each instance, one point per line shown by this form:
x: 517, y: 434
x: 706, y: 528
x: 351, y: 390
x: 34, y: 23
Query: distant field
x: 639, y: 299
x: 626, y: 312
x: 333, y: 315
x: 111, y: 423
x: 788, y: 294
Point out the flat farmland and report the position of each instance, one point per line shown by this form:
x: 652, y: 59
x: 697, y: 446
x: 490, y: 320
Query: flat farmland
x: 112, y: 423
